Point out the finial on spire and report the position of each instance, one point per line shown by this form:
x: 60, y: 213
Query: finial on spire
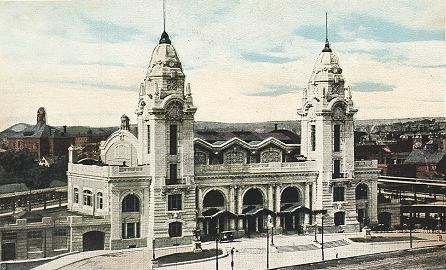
x: 327, y: 44
x: 164, y: 15
x: 164, y: 36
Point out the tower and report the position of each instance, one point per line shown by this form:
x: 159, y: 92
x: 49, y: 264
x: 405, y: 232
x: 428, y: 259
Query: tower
x: 165, y: 139
x: 327, y: 131
x: 41, y: 116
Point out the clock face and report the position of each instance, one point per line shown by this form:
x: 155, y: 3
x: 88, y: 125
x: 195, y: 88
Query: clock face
x: 171, y: 84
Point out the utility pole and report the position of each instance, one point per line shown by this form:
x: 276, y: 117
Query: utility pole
x: 232, y: 257
x: 267, y: 247
x: 216, y: 252
x: 322, y: 236
x: 153, y: 249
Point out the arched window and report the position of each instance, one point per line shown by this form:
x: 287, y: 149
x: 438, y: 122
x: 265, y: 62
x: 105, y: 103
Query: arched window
x: 214, y: 198
x: 253, y: 197
x: 99, y: 200
x: 130, y: 203
x: 175, y: 229
x: 339, y: 218
x: 87, y: 197
x: 290, y: 195
x: 76, y: 195
x: 361, y: 192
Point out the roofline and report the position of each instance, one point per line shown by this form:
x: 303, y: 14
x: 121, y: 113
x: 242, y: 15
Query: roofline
x: 244, y: 143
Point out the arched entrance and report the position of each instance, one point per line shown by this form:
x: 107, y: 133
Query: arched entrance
x: 292, y: 212
x: 255, y: 214
x: 215, y: 218
x: 93, y: 240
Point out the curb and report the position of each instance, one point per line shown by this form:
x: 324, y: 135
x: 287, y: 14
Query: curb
x: 223, y: 255
x: 357, y: 256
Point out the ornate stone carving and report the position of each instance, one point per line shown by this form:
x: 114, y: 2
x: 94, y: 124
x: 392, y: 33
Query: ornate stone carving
x: 174, y: 111
x: 311, y: 113
x: 234, y: 157
x: 200, y: 158
x: 270, y: 156
x: 338, y: 113
x: 171, y: 84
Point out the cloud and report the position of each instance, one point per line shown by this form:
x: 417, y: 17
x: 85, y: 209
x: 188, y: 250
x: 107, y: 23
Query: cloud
x: 372, y: 87
x: 257, y: 57
x: 273, y: 91
x: 358, y: 26
x: 245, y: 61
x: 90, y: 84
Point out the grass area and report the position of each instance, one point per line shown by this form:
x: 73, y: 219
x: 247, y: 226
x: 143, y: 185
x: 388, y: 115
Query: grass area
x: 188, y: 256
x: 383, y: 239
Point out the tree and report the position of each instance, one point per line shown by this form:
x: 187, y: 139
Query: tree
x: 21, y: 167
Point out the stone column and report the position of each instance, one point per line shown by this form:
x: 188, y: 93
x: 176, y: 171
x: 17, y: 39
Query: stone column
x: 115, y: 215
x: 231, y: 207
x: 306, y: 201
x: 257, y: 223
x: 239, y: 207
x: 200, y: 200
x: 373, y: 202
x: 277, y: 206
x: 270, y: 198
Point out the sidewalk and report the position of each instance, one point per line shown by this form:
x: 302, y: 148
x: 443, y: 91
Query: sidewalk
x: 288, y: 250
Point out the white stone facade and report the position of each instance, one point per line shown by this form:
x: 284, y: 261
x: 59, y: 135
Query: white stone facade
x: 158, y: 186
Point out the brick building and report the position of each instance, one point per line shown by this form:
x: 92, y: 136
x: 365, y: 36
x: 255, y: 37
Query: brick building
x: 42, y: 139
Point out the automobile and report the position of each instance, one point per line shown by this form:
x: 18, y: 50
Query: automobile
x: 227, y: 236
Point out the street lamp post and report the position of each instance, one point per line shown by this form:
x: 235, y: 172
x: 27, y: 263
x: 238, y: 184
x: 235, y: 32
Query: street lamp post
x: 232, y: 257
x: 153, y: 249
x: 315, y: 232
x: 216, y: 251
x: 272, y: 236
x: 268, y: 226
x: 322, y: 237
x: 410, y: 229
x: 267, y: 248
x: 323, y: 212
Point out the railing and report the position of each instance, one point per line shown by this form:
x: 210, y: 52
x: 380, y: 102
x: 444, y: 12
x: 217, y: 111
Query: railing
x: 256, y: 167
x: 366, y: 164
x: 178, y: 181
x: 108, y: 171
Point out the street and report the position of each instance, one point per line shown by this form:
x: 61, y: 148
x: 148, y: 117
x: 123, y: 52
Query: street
x: 288, y: 250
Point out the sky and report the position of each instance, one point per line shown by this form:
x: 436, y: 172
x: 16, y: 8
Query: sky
x: 246, y: 61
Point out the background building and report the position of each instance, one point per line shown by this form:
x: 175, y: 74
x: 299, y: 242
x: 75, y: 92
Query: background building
x: 42, y: 139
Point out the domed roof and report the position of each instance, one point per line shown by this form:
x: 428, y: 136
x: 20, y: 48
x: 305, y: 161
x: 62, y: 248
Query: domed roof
x: 326, y: 62
x: 326, y: 59
x: 163, y: 56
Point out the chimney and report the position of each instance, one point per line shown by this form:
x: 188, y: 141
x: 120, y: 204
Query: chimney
x: 275, y: 126
x: 73, y: 154
x: 65, y: 129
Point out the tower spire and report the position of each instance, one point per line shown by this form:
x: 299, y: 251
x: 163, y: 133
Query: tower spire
x: 164, y: 15
x: 327, y: 44
x: 164, y: 36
